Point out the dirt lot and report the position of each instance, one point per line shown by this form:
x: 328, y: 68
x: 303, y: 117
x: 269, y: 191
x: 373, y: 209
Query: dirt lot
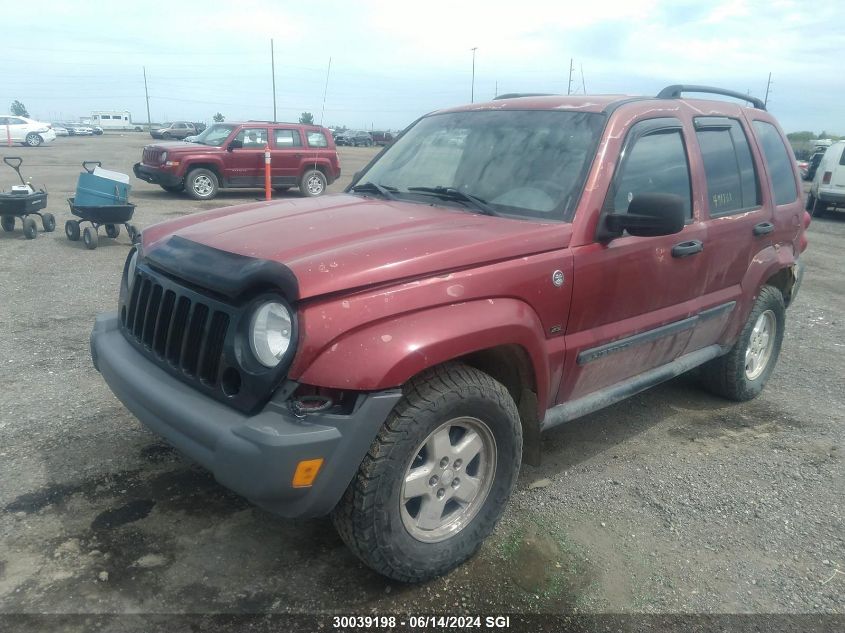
x: 674, y: 501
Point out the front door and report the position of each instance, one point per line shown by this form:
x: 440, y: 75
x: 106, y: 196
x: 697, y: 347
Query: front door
x: 634, y: 298
x: 245, y: 167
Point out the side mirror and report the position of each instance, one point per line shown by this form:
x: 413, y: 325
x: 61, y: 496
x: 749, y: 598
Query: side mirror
x: 649, y: 214
x: 234, y: 144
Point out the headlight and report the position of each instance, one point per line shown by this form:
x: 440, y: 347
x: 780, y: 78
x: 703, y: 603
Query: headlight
x: 130, y: 269
x: 164, y: 157
x: 270, y: 333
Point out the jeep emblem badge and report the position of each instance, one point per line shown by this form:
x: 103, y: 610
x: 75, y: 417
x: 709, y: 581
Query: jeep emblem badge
x: 557, y: 278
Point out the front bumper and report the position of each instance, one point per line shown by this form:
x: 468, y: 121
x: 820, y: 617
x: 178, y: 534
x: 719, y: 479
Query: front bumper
x: 255, y: 456
x: 155, y: 176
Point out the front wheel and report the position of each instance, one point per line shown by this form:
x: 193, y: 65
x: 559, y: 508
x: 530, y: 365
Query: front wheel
x: 201, y: 184
x: 437, y: 477
x: 90, y: 238
x: 313, y: 183
x: 112, y: 230
x: 742, y: 373
x: 30, y: 231
x: 33, y: 139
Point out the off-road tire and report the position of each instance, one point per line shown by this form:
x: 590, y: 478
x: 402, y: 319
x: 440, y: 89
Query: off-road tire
x: 209, y: 181
x: 48, y: 221
x: 90, y: 238
x: 112, y: 230
x: 726, y: 376
x: 30, y: 230
x: 368, y: 517
x: 72, y: 230
x: 8, y: 223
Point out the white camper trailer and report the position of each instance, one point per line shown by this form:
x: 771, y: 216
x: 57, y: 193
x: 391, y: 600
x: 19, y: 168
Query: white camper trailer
x: 113, y: 120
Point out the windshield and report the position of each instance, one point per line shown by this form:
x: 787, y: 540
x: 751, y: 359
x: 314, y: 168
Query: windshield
x: 215, y: 135
x: 523, y: 163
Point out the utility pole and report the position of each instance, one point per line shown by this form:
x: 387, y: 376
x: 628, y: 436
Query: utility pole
x: 583, y: 85
x: 571, y: 68
x: 496, y: 90
x: 768, y: 85
x: 273, y: 70
x: 147, y: 94
x: 472, y: 90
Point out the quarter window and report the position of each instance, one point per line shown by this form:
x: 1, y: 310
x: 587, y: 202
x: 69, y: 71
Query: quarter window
x: 728, y: 166
x: 779, y: 162
x: 656, y: 163
x: 287, y: 138
x: 316, y: 139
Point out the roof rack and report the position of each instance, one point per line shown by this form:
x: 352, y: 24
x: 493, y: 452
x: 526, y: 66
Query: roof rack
x: 674, y: 92
x: 516, y: 95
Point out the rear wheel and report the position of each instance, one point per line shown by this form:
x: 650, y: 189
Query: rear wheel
x: 313, y: 183
x: 742, y: 373
x: 48, y: 221
x: 90, y: 238
x: 33, y: 139
x: 8, y: 223
x: 436, y: 479
x: 201, y: 184
x: 72, y: 230
x: 29, y: 228
x: 112, y: 230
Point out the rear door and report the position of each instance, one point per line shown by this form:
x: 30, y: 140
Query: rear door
x: 286, y: 156
x: 634, y: 298
x: 737, y: 216
x: 245, y: 164
x: 17, y: 128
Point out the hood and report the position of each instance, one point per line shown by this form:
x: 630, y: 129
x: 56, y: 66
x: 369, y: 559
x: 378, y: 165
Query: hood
x: 180, y: 146
x: 343, y: 242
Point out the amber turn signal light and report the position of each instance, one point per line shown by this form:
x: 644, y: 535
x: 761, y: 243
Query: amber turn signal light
x: 306, y: 472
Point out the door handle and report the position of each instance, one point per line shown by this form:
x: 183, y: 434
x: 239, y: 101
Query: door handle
x: 685, y: 249
x: 764, y: 228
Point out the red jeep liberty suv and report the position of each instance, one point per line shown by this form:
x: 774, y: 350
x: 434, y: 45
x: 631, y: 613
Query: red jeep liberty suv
x: 389, y: 354
x: 230, y: 155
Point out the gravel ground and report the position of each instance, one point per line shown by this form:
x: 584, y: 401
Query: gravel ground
x: 674, y: 501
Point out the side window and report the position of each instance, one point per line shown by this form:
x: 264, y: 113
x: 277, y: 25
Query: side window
x: 779, y: 162
x: 252, y: 138
x: 287, y: 138
x: 317, y: 139
x: 842, y: 156
x: 655, y: 163
x: 731, y: 179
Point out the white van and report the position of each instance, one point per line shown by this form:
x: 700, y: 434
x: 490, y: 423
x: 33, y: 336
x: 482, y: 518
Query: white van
x: 828, y: 189
x: 113, y: 120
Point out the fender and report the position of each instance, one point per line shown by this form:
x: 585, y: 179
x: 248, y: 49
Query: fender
x: 314, y: 162
x: 764, y: 265
x: 388, y: 353
x: 189, y: 164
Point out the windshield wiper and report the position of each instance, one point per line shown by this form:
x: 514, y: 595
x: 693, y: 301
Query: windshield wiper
x: 450, y: 193
x: 373, y: 187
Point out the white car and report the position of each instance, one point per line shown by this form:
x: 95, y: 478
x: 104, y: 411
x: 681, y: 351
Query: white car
x: 60, y: 130
x: 25, y: 131
x: 827, y: 193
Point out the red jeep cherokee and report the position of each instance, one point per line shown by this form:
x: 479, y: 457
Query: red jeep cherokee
x: 231, y: 155
x: 387, y: 355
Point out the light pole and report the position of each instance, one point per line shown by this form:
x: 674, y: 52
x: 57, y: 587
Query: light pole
x: 472, y: 90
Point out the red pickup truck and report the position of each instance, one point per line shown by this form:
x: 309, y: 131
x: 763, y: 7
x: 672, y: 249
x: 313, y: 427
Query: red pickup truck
x: 229, y: 155
x: 389, y: 354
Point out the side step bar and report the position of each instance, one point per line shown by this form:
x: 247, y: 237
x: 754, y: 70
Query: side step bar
x: 569, y: 411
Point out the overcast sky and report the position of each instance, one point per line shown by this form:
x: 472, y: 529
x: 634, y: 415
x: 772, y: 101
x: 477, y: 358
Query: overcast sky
x: 392, y: 61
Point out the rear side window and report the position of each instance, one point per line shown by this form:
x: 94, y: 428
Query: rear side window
x: 779, y: 162
x: 842, y: 156
x: 316, y: 139
x: 287, y: 138
x: 731, y: 181
x: 656, y: 163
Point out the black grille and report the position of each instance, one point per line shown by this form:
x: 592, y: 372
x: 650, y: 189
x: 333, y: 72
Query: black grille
x: 177, y: 327
x: 151, y: 156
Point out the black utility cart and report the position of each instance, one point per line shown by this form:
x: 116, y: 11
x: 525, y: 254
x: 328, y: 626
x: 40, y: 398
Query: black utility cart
x: 22, y: 203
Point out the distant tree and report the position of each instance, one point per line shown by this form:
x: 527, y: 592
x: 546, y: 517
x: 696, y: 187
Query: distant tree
x: 307, y: 118
x: 19, y: 109
x: 219, y: 118
x: 798, y: 137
